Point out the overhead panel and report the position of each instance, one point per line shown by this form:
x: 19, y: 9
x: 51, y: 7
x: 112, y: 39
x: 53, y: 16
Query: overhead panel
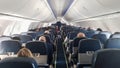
x: 59, y: 7
x: 111, y: 4
x: 4, y: 24
x: 83, y: 9
x: 11, y: 6
x: 38, y: 9
x: 31, y: 9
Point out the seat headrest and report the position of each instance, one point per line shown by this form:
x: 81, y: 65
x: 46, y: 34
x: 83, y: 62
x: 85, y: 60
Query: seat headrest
x: 106, y: 58
x: 18, y: 62
x: 88, y: 45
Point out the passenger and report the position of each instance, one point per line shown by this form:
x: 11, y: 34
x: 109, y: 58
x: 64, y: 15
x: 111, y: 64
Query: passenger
x: 42, y: 39
x: 99, y: 29
x: 66, y: 40
x: 90, y: 29
x: 57, y: 30
x: 58, y: 24
x: 69, y: 38
x: 47, y: 32
x: 49, y: 48
x: 39, y: 31
x: 80, y: 36
x: 48, y: 41
x: 16, y: 38
x: 24, y: 52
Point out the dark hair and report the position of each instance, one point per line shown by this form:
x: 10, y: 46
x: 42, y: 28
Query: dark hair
x: 99, y: 29
x: 16, y: 38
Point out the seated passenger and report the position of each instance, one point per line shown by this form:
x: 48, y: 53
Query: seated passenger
x: 46, y: 32
x: 99, y: 29
x: 24, y: 52
x: 16, y: 38
x: 49, y: 48
x: 80, y: 36
x: 42, y: 39
x: 48, y: 41
x: 90, y: 29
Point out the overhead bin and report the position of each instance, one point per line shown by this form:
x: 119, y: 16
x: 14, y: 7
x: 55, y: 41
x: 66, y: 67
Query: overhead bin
x: 37, y: 10
x: 12, y: 6
x: 111, y: 4
x: 83, y: 9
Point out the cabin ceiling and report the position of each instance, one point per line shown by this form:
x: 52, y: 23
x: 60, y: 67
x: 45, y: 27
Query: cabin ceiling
x: 54, y: 10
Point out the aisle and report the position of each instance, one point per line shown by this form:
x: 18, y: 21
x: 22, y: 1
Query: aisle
x: 60, y: 56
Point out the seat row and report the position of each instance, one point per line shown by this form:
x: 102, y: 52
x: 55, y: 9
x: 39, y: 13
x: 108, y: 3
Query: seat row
x: 34, y: 46
x: 105, y: 58
x: 87, y: 47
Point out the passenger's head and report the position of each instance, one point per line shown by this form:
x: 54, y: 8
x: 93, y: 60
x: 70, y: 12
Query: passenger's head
x: 47, y: 32
x: 24, y: 52
x: 80, y: 34
x: 16, y: 38
x: 90, y: 29
x: 99, y: 29
x: 42, y: 39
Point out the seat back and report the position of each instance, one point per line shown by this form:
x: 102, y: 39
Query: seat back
x: 18, y: 62
x: 112, y: 43
x: 89, y: 45
x: 32, y: 34
x: 89, y: 34
x: 108, y: 58
x: 23, y: 33
x: 37, y: 47
x: 86, y: 50
x: 37, y: 37
x: 106, y: 33
x: 115, y: 36
x: 101, y: 37
x: 42, y: 59
x: 25, y: 38
x: 4, y: 38
x: 48, y: 39
x: 72, y: 35
x: 10, y: 46
x: 76, y: 44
